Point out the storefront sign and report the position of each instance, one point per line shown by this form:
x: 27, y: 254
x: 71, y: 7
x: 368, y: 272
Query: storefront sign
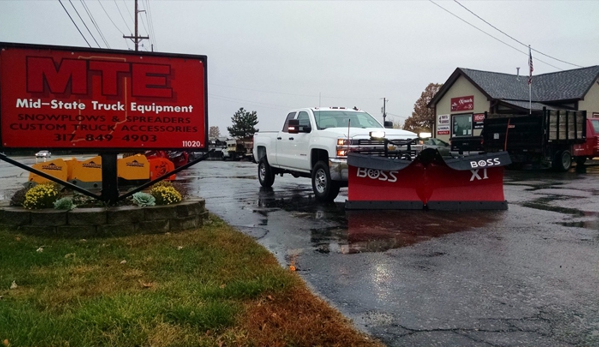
x: 443, y: 130
x: 463, y: 103
x: 67, y: 98
x: 478, y: 120
x: 443, y: 119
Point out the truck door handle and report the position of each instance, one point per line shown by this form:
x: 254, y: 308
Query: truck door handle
x: 291, y: 138
x: 279, y: 138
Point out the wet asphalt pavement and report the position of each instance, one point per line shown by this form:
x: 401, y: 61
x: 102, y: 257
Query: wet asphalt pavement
x: 528, y: 276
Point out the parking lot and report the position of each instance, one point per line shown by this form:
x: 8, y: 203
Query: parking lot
x: 528, y: 276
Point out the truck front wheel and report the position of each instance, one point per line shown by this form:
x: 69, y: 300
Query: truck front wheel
x: 265, y: 174
x: 324, y: 188
x: 562, y: 161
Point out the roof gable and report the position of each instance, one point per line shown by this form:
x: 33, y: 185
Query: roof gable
x: 554, y: 86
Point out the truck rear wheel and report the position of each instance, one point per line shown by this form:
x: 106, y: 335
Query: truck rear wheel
x: 265, y: 174
x: 324, y: 188
x: 562, y: 161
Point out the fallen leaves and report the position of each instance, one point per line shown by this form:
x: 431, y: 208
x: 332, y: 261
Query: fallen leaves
x: 146, y: 285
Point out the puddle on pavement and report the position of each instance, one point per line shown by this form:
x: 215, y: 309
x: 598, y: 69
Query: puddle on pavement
x: 544, y: 205
x: 378, y: 231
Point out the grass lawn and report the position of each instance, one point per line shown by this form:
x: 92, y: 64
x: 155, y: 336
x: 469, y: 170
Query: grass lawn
x: 207, y: 287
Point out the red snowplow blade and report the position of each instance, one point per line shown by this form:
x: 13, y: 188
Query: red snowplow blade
x: 429, y: 181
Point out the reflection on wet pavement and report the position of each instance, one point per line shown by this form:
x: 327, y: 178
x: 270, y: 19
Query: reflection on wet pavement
x: 378, y: 231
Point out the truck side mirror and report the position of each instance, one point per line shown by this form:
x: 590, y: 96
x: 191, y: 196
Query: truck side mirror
x: 306, y: 129
x: 293, y: 126
x: 388, y: 124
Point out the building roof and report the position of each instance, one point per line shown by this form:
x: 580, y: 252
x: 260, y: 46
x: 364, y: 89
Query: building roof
x: 549, y: 87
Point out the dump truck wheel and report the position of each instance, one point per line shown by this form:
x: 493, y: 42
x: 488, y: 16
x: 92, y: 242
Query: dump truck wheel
x: 265, y: 174
x: 324, y: 188
x: 562, y: 161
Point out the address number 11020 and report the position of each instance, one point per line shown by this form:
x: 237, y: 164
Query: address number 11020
x: 192, y: 144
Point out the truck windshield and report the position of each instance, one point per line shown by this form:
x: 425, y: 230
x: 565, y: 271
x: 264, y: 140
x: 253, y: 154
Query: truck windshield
x: 341, y: 119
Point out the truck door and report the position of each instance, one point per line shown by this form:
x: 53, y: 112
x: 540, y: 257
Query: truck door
x: 294, y: 148
x: 283, y: 144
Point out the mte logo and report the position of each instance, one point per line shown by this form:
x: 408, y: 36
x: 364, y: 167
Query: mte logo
x: 72, y: 76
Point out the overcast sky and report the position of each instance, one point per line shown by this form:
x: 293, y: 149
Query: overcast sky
x: 272, y: 56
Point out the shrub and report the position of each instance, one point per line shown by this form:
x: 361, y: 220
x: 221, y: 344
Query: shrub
x: 165, y: 195
x: 180, y: 187
x: 143, y: 199
x: 64, y: 204
x: 18, y: 198
x: 83, y: 200
x: 41, y: 196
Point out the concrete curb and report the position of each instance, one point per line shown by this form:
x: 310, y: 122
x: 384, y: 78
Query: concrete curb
x: 103, y: 222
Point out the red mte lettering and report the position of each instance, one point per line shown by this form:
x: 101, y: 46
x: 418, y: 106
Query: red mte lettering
x: 72, y: 75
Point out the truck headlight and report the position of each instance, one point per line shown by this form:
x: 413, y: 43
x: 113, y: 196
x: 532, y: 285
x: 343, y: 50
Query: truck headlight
x: 377, y: 134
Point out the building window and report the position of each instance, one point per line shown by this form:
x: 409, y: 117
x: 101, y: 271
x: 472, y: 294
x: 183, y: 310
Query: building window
x: 461, y: 125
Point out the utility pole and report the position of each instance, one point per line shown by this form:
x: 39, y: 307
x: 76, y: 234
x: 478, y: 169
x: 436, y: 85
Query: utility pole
x: 136, y: 39
x: 384, y: 110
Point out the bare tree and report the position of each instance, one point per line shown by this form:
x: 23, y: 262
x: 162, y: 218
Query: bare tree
x: 423, y: 117
x: 214, y: 132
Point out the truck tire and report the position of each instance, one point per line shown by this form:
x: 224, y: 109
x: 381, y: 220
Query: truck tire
x: 265, y: 174
x: 324, y: 188
x: 562, y: 161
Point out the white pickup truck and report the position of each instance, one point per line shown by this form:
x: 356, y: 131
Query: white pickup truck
x: 314, y: 143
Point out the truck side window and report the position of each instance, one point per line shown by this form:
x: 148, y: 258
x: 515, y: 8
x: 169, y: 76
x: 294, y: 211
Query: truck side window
x: 291, y: 115
x: 304, y: 119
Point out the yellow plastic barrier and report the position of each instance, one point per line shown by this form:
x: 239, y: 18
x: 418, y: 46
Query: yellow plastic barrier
x: 57, y: 168
x: 87, y: 172
x: 133, y: 168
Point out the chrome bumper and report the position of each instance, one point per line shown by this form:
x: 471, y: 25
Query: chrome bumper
x: 338, y: 169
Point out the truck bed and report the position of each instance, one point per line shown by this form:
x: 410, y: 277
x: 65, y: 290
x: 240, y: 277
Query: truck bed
x: 533, y: 133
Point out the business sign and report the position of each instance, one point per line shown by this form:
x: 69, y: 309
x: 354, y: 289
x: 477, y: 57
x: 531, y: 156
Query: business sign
x: 443, y: 119
x: 463, y: 103
x: 443, y: 130
x: 478, y: 120
x: 75, y: 98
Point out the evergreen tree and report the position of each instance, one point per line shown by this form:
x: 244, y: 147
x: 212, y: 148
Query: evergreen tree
x: 244, y: 124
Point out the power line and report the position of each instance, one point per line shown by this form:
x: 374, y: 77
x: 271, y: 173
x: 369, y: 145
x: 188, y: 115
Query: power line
x: 75, y: 24
x: 226, y: 98
x: 89, y: 31
x: 293, y: 94
x: 486, y: 33
x: 523, y: 44
x: 150, y: 23
x: 122, y: 17
x: 91, y: 17
x: 107, y: 15
x: 127, y: 8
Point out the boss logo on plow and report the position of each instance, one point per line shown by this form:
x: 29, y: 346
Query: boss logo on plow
x: 485, y: 163
x: 375, y: 174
